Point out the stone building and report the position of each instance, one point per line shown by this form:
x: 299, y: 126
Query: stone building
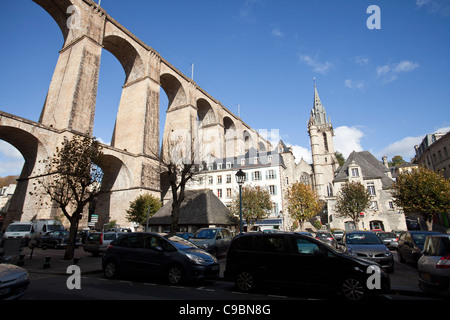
x: 434, y: 153
x: 382, y: 214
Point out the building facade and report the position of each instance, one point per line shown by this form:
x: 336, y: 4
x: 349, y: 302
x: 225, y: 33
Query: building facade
x: 434, y: 153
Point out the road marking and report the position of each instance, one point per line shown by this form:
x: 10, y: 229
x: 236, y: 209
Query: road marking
x: 205, y: 289
x: 275, y: 296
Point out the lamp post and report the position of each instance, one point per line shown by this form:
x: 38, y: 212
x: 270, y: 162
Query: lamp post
x: 240, y: 178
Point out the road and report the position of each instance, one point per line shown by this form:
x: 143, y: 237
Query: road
x: 96, y: 287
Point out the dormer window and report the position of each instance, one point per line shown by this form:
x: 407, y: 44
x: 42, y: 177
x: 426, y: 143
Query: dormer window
x: 355, y: 172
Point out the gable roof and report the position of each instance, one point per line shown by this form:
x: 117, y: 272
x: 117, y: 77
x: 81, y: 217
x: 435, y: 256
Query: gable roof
x: 200, y: 207
x: 371, y: 168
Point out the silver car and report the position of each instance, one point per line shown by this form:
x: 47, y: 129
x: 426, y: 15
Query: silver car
x: 434, y: 265
x: 13, y: 281
x: 390, y: 239
x: 367, y: 245
x: 98, y: 242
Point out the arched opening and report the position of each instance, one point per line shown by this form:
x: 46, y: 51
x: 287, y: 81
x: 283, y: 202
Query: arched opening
x: 171, y: 115
x: 230, y: 137
x: 248, y: 141
x: 261, y: 146
x: 205, y: 113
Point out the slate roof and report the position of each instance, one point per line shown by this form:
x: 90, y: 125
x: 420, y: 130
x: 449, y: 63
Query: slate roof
x: 371, y: 168
x: 200, y: 207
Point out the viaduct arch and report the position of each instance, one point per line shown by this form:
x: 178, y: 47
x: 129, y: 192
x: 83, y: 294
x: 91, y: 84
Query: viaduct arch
x: 133, y: 156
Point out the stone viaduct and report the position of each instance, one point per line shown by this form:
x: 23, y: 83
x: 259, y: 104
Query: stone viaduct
x: 133, y: 165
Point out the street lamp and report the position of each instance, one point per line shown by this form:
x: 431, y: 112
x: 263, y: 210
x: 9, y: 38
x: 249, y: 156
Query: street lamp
x: 240, y: 178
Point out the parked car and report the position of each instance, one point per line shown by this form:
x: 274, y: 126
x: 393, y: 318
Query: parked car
x: 326, y: 237
x: 434, y: 265
x: 98, y: 242
x: 390, y: 239
x: 185, y: 235
x: 410, y: 245
x: 56, y: 239
x: 171, y: 257
x: 291, y: 259
x: 338, y: 235
x: 367, y: 245
x: 214, y: 240
x: 13, y: 281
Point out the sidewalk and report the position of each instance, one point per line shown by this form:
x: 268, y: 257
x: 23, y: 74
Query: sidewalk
x: 51, y: 261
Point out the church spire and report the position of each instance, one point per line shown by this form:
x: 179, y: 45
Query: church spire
x: 318, y: 114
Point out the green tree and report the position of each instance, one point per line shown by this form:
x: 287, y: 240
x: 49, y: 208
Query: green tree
x: 340, y: 158
x: 352, y: 199
x: 72, y: 179
x: 396, y: 160
x: 303, y: 202
x: 141, y: 206
x: 422, y: 191
x: 256, y: 204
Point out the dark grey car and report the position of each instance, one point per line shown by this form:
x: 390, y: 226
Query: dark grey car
x: 367, y: 245
x: 170, y: 257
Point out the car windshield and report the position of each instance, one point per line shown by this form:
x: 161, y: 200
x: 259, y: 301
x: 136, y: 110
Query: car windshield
x: 323, y: 235
x: 362, y: 238
x: 180, y: 243
x: 205, y: 234
x: 419, y: 238
x: 18, y: 227
x: 387, y: 235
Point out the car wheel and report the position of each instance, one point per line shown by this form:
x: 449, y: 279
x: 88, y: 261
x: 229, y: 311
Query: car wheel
x: 175, y: 275
x: 245, y: 281
x: 353, y: 288
x: 111, y: 270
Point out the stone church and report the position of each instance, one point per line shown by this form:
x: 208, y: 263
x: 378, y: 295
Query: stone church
x: 328, y: 178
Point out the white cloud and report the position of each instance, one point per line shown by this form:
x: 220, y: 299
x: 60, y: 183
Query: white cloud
x: 441, y: 7
x: 301, y: 153
x: 361, y: 60
x: 390, y: 72
x: 347, y: 139
x: 354, y: 84
x: 276, y: 32
x: 405, y: 147
x: 318, y: 66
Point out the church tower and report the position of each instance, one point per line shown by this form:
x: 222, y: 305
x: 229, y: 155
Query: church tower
x: 322, y: 148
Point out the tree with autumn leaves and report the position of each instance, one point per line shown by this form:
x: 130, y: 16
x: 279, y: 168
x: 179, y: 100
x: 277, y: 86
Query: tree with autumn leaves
x: 303, y: 202
x: 352, y: 199
x: 424, y: 192
x: 72, y: 179
x: 256, y: 204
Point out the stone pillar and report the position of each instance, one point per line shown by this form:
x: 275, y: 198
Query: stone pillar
x: 71, y: 98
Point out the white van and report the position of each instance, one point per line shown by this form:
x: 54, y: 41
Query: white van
x: 25, y: 230
x: 42, y: 226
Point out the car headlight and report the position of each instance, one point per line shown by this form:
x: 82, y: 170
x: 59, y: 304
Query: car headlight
x: 195, y: 258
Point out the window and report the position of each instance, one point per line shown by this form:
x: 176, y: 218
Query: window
x: 210, y: 180
x: 273, y: 189
x: 243, y: 162
x: 228, y: 178
x: 371, y: 188
x: 219, y: 166
x: 228, y: 192
x: 306, y: 247
x: 229, y: 166
x: 273, y: 244
x: 373, y: 205
x: 391, y: 205
x: 255, y: 160
x: 256, y: 175
x: 219, y: 193
x: 219, y: 179
x: 355, y: 172
x: 271, y: 174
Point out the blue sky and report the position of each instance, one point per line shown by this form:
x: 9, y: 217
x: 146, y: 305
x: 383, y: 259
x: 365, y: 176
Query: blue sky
x: 384, y: 89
